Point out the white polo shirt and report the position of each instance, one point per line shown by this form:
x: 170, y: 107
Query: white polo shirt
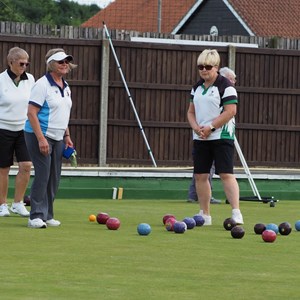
x: 209, y: 103
x: 14, y: 101
x: 55, y: 107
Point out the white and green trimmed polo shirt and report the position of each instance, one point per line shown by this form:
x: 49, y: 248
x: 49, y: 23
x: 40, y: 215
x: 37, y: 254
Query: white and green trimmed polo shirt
x: 209, y: 104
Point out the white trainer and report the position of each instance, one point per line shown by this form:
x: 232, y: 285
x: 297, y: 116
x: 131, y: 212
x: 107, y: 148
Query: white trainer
x: 207, y: 219
x: 4, y: 210
x: 19, y: 208
x: 237, y: 216
x: 52, y: 222
x: 36, y: 223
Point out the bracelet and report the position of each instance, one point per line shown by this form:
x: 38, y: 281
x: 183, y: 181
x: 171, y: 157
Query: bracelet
x: 66, y: 135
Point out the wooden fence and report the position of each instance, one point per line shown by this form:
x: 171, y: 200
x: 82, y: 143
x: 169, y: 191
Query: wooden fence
x: 86, y: 33
x: 160, y: 77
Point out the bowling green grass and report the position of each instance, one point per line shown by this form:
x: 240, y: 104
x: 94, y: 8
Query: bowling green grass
x: 84, y: 260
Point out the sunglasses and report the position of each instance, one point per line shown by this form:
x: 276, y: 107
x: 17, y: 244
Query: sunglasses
x: 23, y: 64
x: 207, y: 67
x: 65, y: 61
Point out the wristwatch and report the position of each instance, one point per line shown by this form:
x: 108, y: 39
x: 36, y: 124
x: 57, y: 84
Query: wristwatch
x: 212, y: 128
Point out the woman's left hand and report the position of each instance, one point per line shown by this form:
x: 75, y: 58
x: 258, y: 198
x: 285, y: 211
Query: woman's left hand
x: 205, y: 132
x: 68, y: 142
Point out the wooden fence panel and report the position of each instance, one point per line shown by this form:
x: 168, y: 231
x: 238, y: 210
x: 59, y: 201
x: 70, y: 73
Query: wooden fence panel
x: 268, y: 115
x: 160, y: 78
x: 84, y: 82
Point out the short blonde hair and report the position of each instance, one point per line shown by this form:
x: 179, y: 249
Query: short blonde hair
x: 209, y: 57
x: 51, y: 65
x: 16, y: 53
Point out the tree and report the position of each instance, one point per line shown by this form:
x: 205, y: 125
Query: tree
x: 8, y: 12
x: 50, y: 12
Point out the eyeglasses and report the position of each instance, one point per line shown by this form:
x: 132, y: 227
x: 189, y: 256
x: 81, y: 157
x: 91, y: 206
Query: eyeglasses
x: 207, y: 67
x: 65, y: 61
x: 24, y: 64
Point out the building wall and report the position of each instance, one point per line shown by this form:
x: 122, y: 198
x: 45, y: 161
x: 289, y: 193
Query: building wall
x: 213, y: 13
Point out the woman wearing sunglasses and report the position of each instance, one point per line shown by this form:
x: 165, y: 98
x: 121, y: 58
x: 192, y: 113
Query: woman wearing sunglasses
x: 211, y: 112
x: 15, y: 87
x: 46, y: 134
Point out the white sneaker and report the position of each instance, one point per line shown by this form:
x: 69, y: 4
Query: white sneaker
x: 237, y: 216
x: 36, y: 223
x: 207, y: 219
x: 4, y: 210
x: 53, y: 222
x: 19, y: 208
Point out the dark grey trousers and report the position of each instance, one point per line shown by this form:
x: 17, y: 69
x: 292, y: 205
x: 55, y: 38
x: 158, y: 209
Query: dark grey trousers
x: 47, y: 172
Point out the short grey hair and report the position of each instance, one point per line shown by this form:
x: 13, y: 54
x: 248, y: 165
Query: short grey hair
x: 16, y: 53
x: 225, y: 71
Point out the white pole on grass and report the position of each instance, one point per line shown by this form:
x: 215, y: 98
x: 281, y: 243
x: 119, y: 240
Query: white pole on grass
x: 247, y: 171
x: 129, y: 95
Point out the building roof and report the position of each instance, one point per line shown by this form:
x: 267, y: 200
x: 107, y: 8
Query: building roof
x: 141, y: 15
x: 262, y: 18
x: 270, y: 17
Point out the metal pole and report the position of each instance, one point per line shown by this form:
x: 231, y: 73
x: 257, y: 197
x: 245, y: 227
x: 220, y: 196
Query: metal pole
x: 129, y: 95
x: 247, y: 171
x: 159, y: 16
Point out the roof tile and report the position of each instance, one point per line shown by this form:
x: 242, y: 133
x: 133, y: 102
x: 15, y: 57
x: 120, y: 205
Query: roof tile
x: 263, y: 17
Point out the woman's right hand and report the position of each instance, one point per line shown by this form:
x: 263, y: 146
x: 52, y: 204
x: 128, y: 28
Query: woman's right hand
x: 44, y: 146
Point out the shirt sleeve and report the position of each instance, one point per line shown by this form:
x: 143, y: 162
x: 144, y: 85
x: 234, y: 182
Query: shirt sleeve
x: 38, y: 94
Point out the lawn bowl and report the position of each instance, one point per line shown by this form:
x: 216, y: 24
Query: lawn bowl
x: 102, y: 218
x: 272, y: 226
x: 26, y: 200
x: 269, y: 236
x: 143, y: 229
x: 237, y: 232
x: 297, y: 225
x: 285, y: 228
x: 170, y: 224
x: 229, y: 223
x: 199, y: 220
x: 166, y: 217
x: 190, y: 222
x: 259, y: 228
x: 92, y: 218
x: 180, y: 227
x: 113, y: 223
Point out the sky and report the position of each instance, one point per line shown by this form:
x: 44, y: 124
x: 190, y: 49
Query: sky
x: 100, y: 3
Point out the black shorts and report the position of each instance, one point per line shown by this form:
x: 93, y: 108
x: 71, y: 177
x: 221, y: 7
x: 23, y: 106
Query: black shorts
x: 12, y: 143
x: 219, y: 151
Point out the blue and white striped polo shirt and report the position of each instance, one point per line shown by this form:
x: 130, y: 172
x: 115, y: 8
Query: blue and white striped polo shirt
x: 55, y: 107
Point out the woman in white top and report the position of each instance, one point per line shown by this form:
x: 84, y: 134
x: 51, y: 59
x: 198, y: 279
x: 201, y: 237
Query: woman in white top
x: 15, y: 88
x: 211, y: 112
x: 47, y: 134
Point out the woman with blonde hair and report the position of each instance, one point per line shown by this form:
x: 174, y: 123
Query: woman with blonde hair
x: 47, y: 134
x: 211, y: 112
